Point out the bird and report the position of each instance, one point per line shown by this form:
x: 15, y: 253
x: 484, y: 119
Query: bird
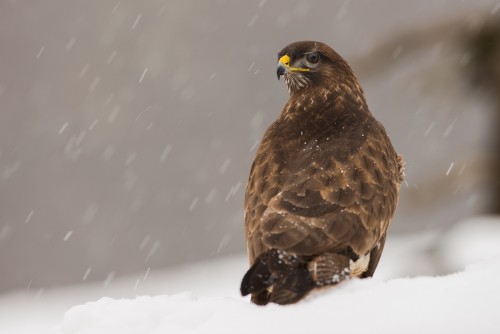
x: 324, y: 184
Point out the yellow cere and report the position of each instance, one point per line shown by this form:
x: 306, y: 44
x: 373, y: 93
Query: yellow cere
x: 285, y: 60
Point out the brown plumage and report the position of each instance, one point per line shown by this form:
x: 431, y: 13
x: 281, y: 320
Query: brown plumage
x: 324, y: 184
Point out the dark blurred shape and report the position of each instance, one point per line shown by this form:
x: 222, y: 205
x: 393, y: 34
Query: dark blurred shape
x: 484, y: 71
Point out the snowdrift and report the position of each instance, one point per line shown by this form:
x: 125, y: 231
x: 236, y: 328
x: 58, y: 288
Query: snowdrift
x: 465, y: 302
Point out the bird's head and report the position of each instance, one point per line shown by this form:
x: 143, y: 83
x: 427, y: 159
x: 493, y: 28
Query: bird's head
x: 308, y: 63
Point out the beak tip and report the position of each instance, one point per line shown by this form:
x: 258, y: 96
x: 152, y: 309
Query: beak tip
x: 281, y: 70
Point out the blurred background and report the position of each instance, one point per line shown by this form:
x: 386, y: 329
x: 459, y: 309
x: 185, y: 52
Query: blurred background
x: 127, y: 128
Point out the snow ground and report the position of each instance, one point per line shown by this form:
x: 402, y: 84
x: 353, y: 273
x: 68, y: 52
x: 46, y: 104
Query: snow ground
x: 203, y: 297
x: 467, y: 302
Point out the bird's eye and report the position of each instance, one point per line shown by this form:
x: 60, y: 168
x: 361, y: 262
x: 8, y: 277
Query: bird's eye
x: 313, y: 58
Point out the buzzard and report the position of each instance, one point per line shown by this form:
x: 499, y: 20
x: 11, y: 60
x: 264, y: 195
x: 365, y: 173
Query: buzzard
x: 324, y: 184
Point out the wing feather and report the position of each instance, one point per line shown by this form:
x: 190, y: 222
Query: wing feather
x: 326, y: 194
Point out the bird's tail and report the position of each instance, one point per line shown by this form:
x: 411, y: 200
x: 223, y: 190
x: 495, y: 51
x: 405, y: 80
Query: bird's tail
x: 284, y: 278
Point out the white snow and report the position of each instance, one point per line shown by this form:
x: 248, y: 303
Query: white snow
x: 405, y: 296
x: 467, y: 302
x: 143, y: 75
x: 40, y: 52
x: 26, y: 221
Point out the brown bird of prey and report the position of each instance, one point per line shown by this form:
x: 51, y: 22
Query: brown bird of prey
x: 324, y: 184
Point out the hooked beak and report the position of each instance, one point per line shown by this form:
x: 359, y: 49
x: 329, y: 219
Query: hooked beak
x: 281, y: 70
x: 284, y: 67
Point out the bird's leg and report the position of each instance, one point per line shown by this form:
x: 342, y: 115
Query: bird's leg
x: 329, y: 269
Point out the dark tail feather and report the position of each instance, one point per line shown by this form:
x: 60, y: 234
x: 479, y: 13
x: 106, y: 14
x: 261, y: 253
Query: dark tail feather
x: 277, y: 277
x: 283, y: 278
x: 256, y: 281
